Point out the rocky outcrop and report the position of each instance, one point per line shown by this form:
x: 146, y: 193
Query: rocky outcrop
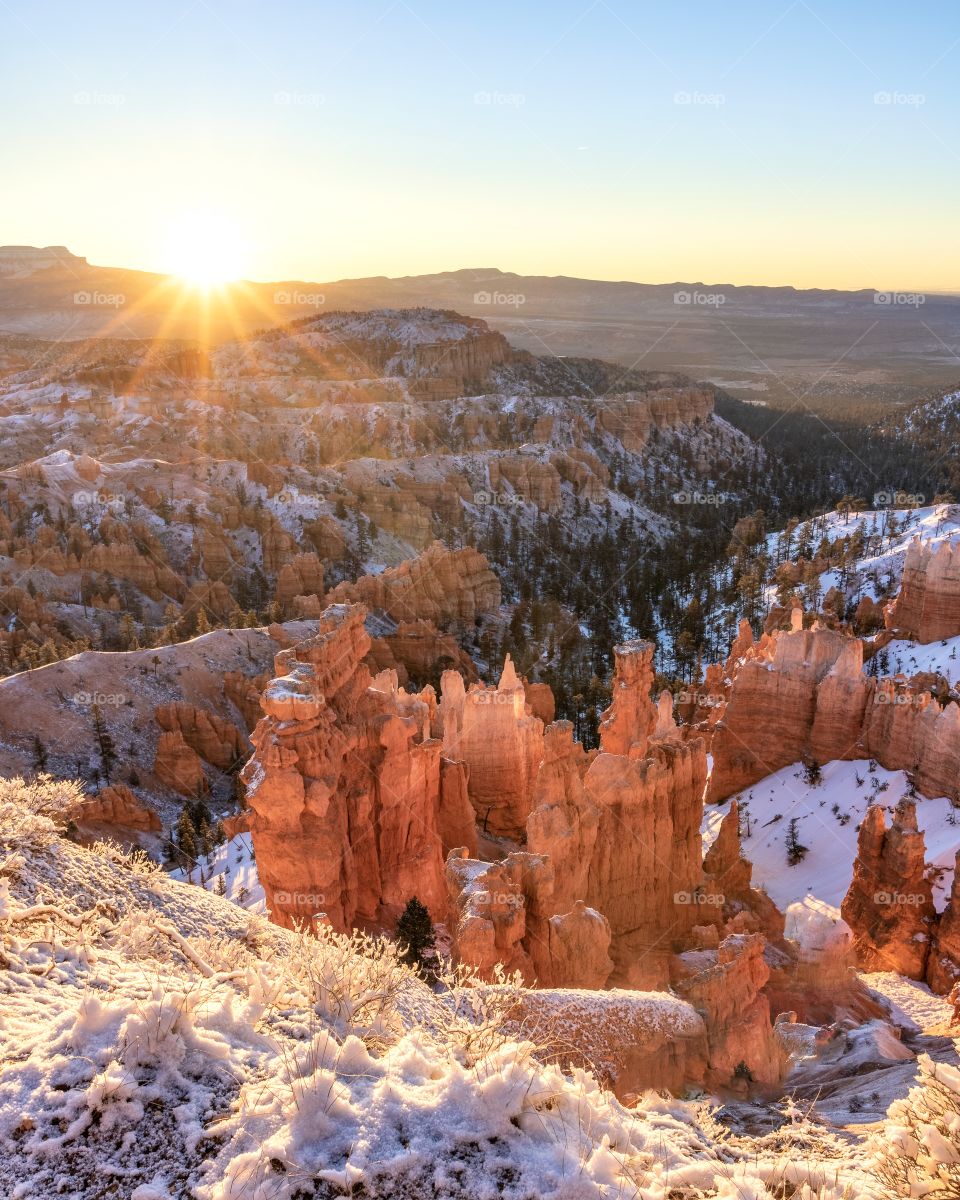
x: 943, y: 964
x: 301, y: 577
x: 627, y: 725
x: 631, y: 1040
x: 743, y: 907
x: 345, y: 786
x: 530, y: 478
x: 493, y: 731
x: 217, y: 741
x: 117, y: 808
x: 928, y: 605
x: 179, y: 766
x: 419, y: 649
x: 889, y: 905
x: 802, y: 692
x: 440, y: 585
x: 726, y: 987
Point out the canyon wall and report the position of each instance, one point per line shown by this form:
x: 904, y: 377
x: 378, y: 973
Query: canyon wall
x: 803, y: 692
x: 928, y: 605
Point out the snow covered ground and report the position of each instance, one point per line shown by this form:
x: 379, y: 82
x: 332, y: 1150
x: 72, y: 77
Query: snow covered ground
x: 828, y: 817
x: 903, y: 657
x: 158, y: 1042
x: 879, y: 570
x: 233, y: 868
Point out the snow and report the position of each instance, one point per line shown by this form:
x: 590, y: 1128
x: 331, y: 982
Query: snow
x: 156, y: 1041
x: 911, y: 1004
x: 235, y: 865
x: 831, y: 837
x: 908, y: 658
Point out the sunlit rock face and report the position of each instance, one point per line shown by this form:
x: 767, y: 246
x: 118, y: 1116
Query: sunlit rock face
x: 889, y: 905
x: 928, y: 606
x: 346, y: 786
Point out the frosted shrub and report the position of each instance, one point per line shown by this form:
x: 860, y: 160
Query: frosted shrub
x: 918, y: 1153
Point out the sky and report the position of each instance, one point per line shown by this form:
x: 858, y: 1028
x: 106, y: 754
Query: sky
x: 774, y: 142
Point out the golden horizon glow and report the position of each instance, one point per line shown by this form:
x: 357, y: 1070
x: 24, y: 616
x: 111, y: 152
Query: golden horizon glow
x: 205, y: 252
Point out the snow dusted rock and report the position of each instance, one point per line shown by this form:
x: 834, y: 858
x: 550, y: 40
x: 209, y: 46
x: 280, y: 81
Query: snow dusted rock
x: 729, y: 877
x: 349, y: 813
x: 889, y: 905
x: 928, y: 605
x: 632, y: 1040
x: 440, y: 585
x: 118, y: 809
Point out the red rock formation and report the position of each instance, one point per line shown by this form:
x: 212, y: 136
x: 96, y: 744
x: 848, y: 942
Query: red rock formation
x: 530, y: 478
x: 628, y: 724
x: 493, y: 731
x: 928, y: 605
x: 889, y: 905
x: 943, y: 965
x: 116, y: 806
x: 418, y: 648
x: 302, y: 576
x: 178, y: 766
x: 441, y: 585
x: 729, y: 877
x: 728, y: 994
x: 344, y: 787
x: 216, y: 740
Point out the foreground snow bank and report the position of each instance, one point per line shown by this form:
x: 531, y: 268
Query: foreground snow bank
x: 157, y: 1041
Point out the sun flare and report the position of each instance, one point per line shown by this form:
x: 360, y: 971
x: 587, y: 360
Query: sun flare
x: 204, y: 251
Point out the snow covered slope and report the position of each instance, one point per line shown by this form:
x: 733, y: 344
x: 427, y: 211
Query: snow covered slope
x: 828, y: 817
x: 157, y: 1041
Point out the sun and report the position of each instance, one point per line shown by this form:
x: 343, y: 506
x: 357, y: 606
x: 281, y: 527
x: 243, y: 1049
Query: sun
x: 205, y: 251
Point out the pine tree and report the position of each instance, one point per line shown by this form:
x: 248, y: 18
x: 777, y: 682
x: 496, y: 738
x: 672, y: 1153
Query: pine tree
x: 415, y: 935
x: 796, y: 851
x: 105, y: 744
x: 39, y: 754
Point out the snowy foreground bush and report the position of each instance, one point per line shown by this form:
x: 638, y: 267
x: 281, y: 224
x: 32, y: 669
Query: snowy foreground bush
x: 156, y: 1041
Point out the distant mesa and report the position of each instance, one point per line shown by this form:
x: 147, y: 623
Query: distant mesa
x: 19, y: 261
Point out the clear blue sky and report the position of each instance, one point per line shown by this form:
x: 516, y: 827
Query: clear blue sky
x: 737, y: 142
